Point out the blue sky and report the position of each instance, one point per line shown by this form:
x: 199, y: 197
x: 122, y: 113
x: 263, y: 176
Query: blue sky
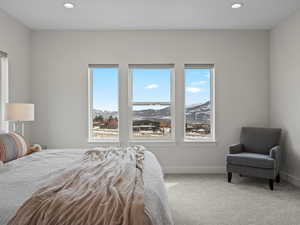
x: 105, y: 89
x: 151, y: 85
x: 148, y: 85
x: 197, y: 86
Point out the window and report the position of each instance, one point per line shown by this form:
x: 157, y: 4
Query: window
x: 3, y: 89
x: 103, y: 105
x: 150, y: 115
x: 199, y: 102
x: 151, y: 102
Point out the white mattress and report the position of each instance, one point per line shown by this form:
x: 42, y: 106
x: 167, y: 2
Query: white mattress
x: 21, y: 177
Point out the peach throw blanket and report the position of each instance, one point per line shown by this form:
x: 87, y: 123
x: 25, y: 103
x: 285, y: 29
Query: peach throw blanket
x: 104, y: 188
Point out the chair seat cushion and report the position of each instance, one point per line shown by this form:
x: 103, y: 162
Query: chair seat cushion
x: 251, y: 160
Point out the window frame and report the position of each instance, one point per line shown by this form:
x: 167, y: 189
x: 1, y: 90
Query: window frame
x: 91, y: 139
x: 211, y: 139
x: 4, y: 90
x: 170, y: 103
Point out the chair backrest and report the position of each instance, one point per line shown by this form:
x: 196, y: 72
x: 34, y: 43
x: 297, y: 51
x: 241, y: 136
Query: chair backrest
x: 259, y: 140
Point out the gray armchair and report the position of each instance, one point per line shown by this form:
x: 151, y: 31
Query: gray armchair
x: 257, y: 155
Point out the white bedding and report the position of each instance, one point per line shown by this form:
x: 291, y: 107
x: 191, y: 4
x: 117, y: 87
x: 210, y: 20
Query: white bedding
x: 21, y: 177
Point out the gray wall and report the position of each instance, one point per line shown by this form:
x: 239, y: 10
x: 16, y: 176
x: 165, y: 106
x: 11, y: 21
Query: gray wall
x: 285, y: 91
x: 15, y: 39
x: 59, y: 84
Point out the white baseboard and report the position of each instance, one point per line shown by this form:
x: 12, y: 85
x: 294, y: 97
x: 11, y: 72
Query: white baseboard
x: 221, y: 170
x: 290, y: 178
x: 194, y: 170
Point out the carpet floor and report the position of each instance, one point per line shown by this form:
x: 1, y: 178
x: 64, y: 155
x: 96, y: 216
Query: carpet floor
x: 210, y: 200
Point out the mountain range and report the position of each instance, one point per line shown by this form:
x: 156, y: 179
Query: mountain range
x: 194, y: 113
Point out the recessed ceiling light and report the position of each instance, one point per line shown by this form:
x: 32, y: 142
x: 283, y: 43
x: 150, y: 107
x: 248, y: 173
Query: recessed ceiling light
x: 69, y: 5
x: 237, y: 5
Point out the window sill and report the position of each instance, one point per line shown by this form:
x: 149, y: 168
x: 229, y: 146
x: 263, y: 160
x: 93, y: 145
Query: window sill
x: 151, y: 141
x: 213, y: 141
x: 96, y: 141
x: 154, y: 142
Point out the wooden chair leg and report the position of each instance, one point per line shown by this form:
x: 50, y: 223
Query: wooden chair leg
x: 229, y: 177
x: 271, y: 184
x: 278, y: 178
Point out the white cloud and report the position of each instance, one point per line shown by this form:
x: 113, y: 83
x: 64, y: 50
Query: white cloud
x: 151, y: 86
x: 193, y: 89
x: 203, y: 82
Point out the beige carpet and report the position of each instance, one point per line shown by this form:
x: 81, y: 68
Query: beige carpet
x: 210, y: 200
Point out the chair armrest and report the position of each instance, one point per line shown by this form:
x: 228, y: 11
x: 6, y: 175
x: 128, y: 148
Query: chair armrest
x: 235, y: 149
x: 275, y: 153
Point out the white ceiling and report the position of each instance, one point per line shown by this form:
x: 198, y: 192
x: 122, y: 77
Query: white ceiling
x: 149, y: 14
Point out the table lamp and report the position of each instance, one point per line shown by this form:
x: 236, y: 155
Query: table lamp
x: 19, y: 113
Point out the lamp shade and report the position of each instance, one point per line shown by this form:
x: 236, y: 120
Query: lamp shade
x: 19, y: 112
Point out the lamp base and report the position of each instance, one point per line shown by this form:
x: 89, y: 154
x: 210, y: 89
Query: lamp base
x: 18, y: 127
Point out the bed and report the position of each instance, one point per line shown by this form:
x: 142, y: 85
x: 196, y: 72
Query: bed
x: 20, y: 178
